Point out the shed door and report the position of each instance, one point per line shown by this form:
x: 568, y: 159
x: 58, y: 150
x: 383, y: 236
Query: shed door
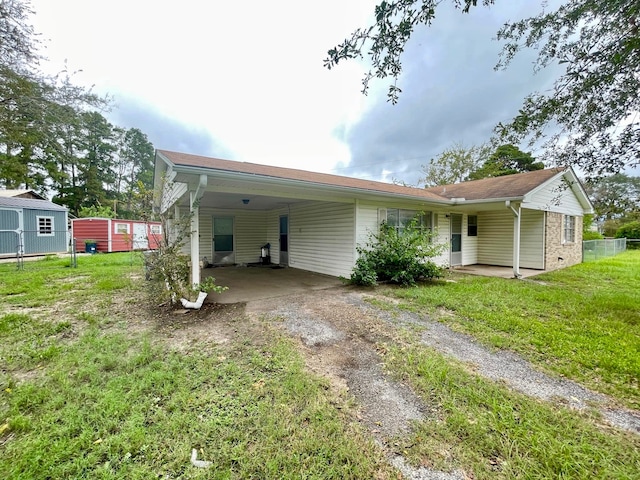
x: 456, y: 239
x: 10, y: 226
x: 140, y: 240
x: 223, y: 253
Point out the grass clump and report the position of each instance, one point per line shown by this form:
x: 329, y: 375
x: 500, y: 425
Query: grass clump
x: 582, y: 322
x: 486, y: 429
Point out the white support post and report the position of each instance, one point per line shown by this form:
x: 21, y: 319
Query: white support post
x: 516, y: 238
x: 194, y: 201
x: 195, y: 239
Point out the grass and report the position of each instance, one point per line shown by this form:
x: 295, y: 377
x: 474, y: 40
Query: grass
x: 486, y: 429
x: 84, y: 394
x: 582, y: 322
x: 82, y: 398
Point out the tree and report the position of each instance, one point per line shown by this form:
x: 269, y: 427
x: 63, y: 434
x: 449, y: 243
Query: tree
x: 589, y: 118
x: 454, y: 165
x: 615, y: 196
x: 506, y: 160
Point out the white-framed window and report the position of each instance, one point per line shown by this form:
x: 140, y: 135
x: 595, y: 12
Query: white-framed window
x: 155, y: 229
x: 400, y: 219
x: 46, y: 226
x: 569, y: 229
x: 121, y: 228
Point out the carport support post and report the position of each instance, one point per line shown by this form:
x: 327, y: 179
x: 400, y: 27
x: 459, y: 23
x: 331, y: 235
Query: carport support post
x: 194, y: 202
x: 195, y: 239
x: 516, y: 238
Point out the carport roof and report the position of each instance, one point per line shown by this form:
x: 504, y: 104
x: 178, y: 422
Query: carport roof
x: 188, y: 160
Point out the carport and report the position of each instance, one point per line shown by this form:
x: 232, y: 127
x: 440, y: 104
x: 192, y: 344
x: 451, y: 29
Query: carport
x: 257, y: 283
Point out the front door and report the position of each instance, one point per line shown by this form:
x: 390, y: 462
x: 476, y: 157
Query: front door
x: 223, y: 253
x: 284, y: 240
x: 456, y: 239
x: 140, y: 239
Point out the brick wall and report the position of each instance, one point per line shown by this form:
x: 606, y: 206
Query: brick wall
x: 557, y: 254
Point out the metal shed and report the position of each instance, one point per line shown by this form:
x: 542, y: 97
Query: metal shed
x: 31, y: 227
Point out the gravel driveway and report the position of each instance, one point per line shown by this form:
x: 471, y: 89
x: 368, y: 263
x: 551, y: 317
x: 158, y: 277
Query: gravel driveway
x: 339, y: 332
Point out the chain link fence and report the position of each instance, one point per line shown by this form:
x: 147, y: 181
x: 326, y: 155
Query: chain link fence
x: 32, y: 250
x: 596, y: 249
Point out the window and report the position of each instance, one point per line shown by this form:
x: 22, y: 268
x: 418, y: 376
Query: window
x: 400, y: 219
x: 121, y: 228
x: 155, y: 229
x: 569, y: 229
x: 45, y: 226
x: 472, y: 226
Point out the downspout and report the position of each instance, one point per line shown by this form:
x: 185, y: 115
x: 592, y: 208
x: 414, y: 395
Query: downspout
x: 194, y: 202
x: 516, y: 238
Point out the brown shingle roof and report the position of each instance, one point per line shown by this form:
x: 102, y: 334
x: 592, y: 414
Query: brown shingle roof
x: 509, y: 186
x: 189, y: 160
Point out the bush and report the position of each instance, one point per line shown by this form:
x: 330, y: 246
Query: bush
x: 591, y: 235
x: 399, y: 257
x: 629, y: 230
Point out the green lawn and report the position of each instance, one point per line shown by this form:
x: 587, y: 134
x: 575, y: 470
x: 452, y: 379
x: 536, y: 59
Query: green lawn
x: 582, y: 322
x: 92, y: 384
x: 85, y: 396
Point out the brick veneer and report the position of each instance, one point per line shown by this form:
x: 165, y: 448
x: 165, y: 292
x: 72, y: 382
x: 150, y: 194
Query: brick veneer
x: 559, y: 255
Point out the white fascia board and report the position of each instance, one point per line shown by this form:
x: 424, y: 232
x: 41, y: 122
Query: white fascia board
x: 300, y: 183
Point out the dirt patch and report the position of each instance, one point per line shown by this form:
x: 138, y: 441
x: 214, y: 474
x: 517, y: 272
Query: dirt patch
x: 341, y: 341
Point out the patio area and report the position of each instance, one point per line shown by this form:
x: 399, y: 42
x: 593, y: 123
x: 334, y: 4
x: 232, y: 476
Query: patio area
x: 495, y: 271
x: 257, y: 283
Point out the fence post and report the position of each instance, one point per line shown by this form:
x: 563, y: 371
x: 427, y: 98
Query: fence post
x: 74, y: 253
x: 20, y: 252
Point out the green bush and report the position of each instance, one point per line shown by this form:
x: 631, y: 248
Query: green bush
x: 629, y: 230
x: 401, y: 257
x: 591, y: 235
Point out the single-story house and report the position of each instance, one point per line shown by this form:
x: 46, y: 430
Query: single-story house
x: 31, y: 226
x: 314, y: 221
x: 116, y: 235
x: 22, y: 193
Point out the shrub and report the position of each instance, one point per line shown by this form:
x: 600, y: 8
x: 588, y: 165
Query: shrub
x: 591, y: 235
x: 629, y: 230
x: 401, y: 257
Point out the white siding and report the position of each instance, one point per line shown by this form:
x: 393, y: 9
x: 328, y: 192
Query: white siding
x: 367, y: 223
x: 250, y: 233
x: 321, y: 238
x: 555, y: 197
x: 495, y: 238
x: 532, y: 239
x: 442, y: 225
x: 469, y: 244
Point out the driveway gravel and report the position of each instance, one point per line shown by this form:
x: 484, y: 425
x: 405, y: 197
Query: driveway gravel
x: 339, y: 332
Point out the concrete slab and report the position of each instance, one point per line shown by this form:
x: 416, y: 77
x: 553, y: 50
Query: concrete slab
x: 495, y: 271
x: 256, y: 283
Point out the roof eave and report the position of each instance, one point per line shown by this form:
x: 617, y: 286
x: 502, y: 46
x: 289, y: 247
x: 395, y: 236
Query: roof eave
x: 189, y: 169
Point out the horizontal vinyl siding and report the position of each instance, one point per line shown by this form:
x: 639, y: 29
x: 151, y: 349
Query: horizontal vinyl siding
x: 556, y: 197
x: 367, y: 223
x: 249, y: 233
x: 532, y: 239
x: 469, y: 244
x: 442, y: 225
x: 495, y: 238
x: 321, y: 238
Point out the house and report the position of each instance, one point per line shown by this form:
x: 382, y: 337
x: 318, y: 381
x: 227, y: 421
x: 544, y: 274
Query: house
x: 116, y: 235
x: 314, y: 221
x: 31, y: 226
x: 21, y: 194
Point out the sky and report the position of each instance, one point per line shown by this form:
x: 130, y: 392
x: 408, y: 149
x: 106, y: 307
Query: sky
x: 245, y: 80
